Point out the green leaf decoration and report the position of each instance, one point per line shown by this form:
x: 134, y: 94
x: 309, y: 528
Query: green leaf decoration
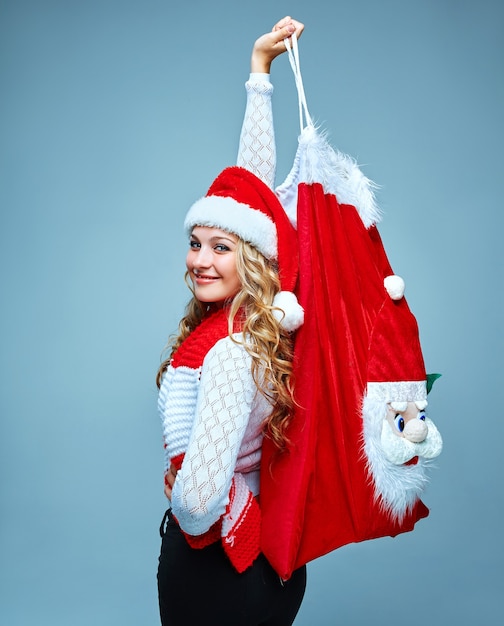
x: 431, y: 379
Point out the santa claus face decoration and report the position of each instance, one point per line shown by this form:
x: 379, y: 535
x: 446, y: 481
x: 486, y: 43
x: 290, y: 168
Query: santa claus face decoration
x: 399, y: 442
x: 408, y: 433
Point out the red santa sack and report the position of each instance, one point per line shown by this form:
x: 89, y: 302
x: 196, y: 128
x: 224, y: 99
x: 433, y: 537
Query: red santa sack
x: 346, y: 477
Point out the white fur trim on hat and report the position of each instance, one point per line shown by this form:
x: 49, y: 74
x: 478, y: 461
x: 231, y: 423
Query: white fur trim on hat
x: 398, y: 391
x: 288, y: 311
x: 224, y: 212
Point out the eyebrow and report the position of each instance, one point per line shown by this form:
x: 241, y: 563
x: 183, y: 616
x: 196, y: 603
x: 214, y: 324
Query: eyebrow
x: 217, y: 238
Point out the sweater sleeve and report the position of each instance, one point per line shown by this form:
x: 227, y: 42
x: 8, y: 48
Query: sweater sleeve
x: 257, y: 150
x: 225, y: 397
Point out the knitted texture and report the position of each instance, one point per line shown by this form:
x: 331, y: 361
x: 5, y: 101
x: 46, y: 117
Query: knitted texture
x: 257, y: 151
x: 212, y: 419
x: 241, y: 526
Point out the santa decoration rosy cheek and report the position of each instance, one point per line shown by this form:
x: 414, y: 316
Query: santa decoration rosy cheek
x: 400, y: 441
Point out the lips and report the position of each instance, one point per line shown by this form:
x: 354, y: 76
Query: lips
x: 202, y: 279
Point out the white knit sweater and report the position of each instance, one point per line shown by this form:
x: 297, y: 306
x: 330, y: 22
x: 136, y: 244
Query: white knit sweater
x: 221, y: 408
x: 214, y: 413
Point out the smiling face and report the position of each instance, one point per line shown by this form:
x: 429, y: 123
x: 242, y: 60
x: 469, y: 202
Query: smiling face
x: 211, y: 263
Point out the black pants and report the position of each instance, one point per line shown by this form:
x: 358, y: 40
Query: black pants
x: 201, y: 587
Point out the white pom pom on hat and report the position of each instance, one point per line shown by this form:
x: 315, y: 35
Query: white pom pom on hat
x: 241, y: 203
x: 288, y: 311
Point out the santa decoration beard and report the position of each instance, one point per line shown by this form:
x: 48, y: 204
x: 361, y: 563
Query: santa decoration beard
x: 398, y: 485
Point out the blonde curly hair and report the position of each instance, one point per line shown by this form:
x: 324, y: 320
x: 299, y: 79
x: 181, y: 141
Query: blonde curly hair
x: 270, y: 347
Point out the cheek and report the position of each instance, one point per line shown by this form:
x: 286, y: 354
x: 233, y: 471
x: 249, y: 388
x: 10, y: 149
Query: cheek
x: 233, y: 277
x: 227, y: 268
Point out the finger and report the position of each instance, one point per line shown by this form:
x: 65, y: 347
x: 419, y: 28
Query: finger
x: 299, y: 27
x: 282, y: 33
x: 282, y: 23
x: 288, y: 21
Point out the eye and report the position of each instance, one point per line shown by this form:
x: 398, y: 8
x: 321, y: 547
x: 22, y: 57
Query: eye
x: 220, y: 247
x: 399, y: 422
x: 194, y: 245
x: 421, y: 416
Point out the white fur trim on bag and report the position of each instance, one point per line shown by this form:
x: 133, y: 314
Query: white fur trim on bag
x: 288, y: 311
x: 317, y: 161
x: 234, y: 217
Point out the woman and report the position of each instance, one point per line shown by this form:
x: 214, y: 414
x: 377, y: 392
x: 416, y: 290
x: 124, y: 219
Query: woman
x: 228, y: 383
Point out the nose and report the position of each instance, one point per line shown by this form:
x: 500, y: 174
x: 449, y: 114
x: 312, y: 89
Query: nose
x: 415, y: 430
x: 202, y: 258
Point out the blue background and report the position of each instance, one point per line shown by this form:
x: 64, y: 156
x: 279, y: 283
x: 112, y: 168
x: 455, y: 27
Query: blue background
x: 115, y: 117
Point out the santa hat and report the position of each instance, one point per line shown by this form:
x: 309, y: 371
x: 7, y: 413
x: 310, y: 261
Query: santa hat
x: 240, y: 203
x: 395, y: 368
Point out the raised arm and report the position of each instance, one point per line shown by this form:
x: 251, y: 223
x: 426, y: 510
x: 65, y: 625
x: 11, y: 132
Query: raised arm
x: 257, y: 149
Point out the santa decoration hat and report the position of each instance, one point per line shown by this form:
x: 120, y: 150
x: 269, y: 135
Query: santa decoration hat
x: 395, y: 368
x: 241, y: 203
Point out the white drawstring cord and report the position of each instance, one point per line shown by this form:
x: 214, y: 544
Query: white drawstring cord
x: 293, y: 52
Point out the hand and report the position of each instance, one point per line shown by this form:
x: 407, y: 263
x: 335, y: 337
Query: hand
x: 270, y: 45
x: 169, y: 480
